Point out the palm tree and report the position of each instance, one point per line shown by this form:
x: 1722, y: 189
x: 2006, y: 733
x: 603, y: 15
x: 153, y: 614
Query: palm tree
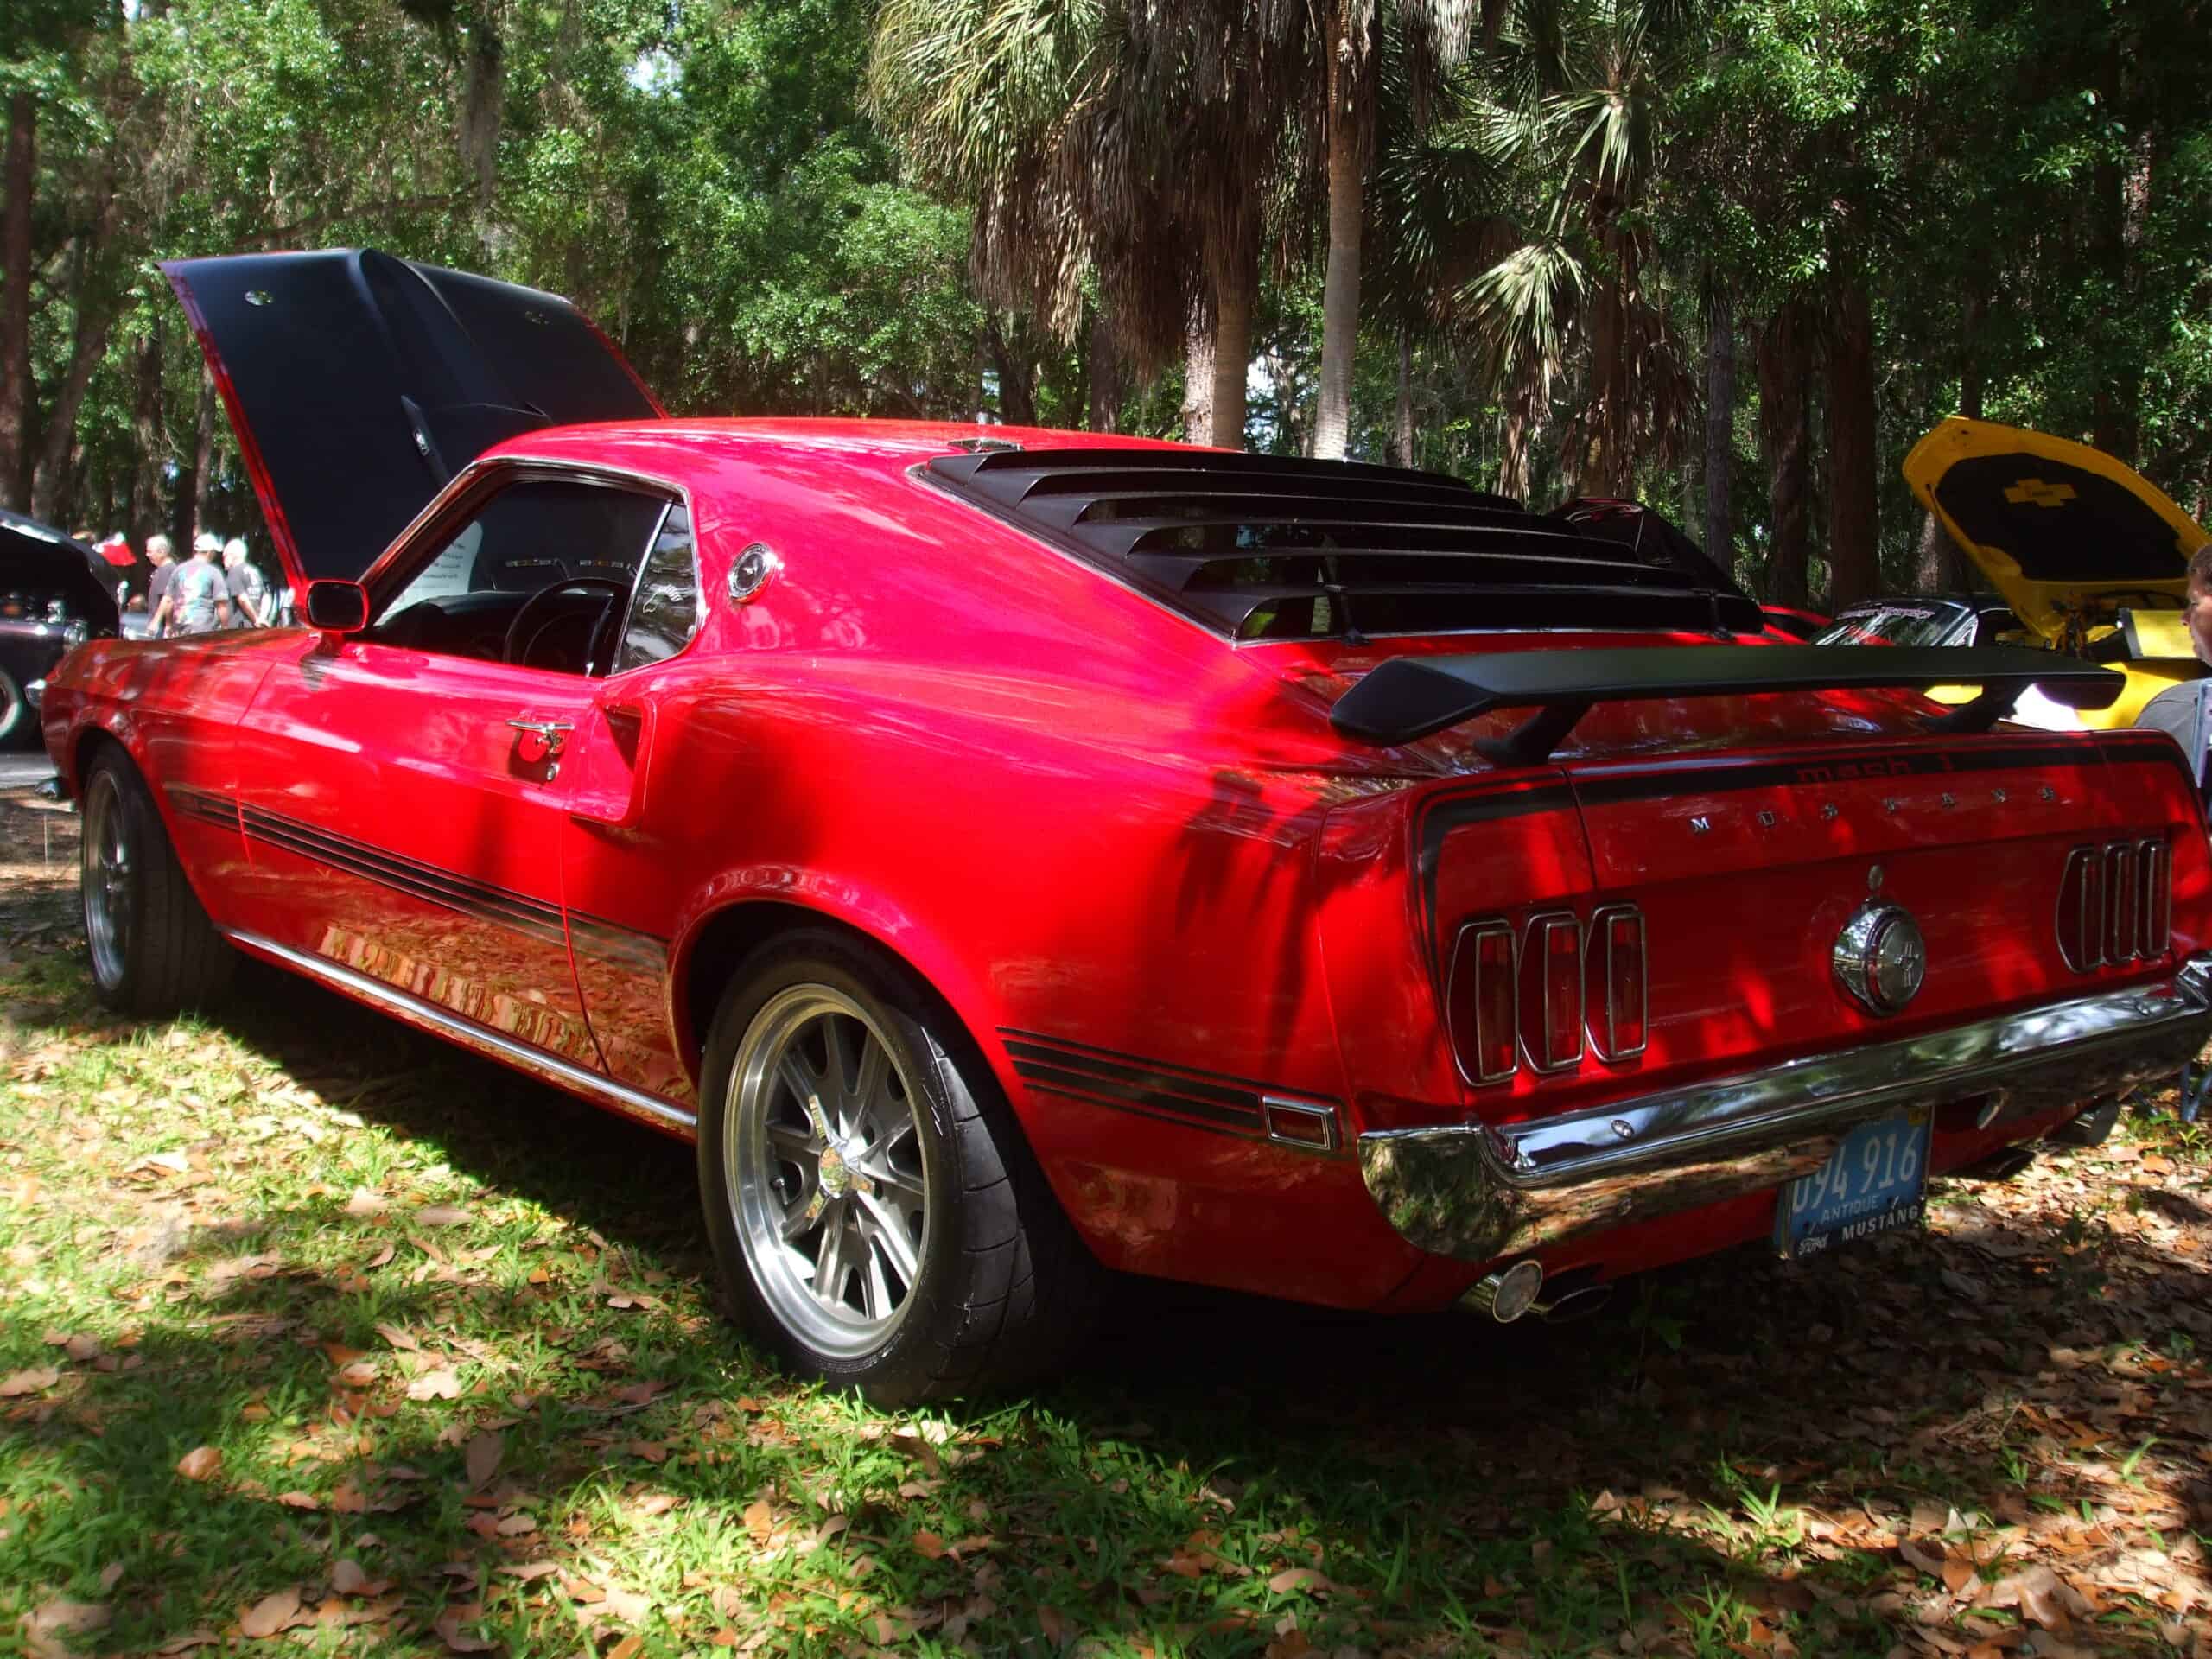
x: 1133, y: 149
x: 1431, y: 37
x: 1574, y: 105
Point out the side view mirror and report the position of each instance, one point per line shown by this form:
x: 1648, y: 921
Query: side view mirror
x: 335, y: 606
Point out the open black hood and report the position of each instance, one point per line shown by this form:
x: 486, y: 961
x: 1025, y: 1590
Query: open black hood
x: 358, y: 383
x: 38, y: 563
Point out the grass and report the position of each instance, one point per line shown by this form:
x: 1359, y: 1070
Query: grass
x: 317, y: 1334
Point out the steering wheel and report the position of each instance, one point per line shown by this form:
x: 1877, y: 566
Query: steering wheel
x: 513, y: 647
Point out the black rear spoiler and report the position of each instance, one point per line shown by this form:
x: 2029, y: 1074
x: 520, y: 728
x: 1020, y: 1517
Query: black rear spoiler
x: 1411, y: 697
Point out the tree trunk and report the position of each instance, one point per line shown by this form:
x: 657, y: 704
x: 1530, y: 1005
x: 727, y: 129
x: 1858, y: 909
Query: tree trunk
x: 1197, y: 380
x: 1340, y: 288
x: 15, y: 390
x: 1943, y: 566
x: 1104, y: 378
x: 1720, y: 430
x: 1017, y: 394
x: 1607, y: 467
x: 1786, y: 434
x: 145, y: 440
x: 203, y: 464
x: 50, y: 482
x: 1232, y: 350
x: 1513, y: 461
x: 1401, y: 448
x: 1854, y: 510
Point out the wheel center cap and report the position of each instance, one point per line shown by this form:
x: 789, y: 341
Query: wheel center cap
x: 835, y: 1175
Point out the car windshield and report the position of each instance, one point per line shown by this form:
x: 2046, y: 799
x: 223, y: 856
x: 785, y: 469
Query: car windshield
x: 1893, y: 624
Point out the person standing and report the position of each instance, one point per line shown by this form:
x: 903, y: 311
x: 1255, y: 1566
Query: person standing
x: 248, y: 593
x: 158, y: 583
x: 198, y: 600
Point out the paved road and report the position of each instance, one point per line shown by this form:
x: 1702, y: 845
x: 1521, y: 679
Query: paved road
x: 20, y: 768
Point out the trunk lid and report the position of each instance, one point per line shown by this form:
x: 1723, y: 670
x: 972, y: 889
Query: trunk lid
x: 359, y: 384
x: 1747, y: 868
x: 2065, y: 532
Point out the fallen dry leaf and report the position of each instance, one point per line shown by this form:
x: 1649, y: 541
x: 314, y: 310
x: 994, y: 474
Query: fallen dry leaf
x: 929, y: 1544
x: 759, y: 1520
x: 64, y: 1617
x: 272, y: 1613
x: 348, y: 1578
x: 35, y: 1381
x: 201, y: 1463
x: 482, y: 1457
x: 449, y: 1631
x: 440, y: 1384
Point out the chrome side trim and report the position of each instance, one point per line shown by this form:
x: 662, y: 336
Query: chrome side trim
x: 1477, y: 1191
x: 443, y: 1022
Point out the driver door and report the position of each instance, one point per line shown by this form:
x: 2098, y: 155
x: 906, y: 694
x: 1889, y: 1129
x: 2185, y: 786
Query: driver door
x: 403, y: 791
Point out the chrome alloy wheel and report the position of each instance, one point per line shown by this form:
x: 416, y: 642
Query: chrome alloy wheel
x: 824, y: 1163
x: 107, y: 878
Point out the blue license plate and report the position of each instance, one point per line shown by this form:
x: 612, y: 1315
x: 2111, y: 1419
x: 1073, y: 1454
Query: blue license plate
x: 1875, y: 1182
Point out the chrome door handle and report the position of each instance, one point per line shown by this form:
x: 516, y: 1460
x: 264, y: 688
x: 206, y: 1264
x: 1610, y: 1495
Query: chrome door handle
x: 550, y: 730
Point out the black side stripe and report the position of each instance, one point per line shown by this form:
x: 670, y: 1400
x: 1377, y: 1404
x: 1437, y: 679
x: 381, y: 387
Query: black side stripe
x: 204, y: 805
x: 531, y: 916
x: 1131, y: 1083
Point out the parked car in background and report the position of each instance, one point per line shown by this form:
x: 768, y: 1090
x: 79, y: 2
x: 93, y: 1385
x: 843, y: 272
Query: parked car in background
x: 1006, y: 854
x: 2088, y: 554
x: 1793, y: 623
x: 1943, y: 620
x: 51, y: 599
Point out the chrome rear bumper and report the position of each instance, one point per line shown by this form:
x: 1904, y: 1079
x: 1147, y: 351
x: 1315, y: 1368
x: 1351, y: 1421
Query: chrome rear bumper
x: 1479, y: 1192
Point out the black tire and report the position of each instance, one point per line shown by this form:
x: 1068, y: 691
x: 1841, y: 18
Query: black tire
x: 19, y: 721
x: 153, y: 949
x: 1002, y: 1288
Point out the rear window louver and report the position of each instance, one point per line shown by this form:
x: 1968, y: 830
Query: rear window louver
x: 1267, y: 547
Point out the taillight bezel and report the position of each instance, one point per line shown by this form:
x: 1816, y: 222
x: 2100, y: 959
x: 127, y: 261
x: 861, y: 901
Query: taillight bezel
x: 1545, y: 1041
x: 1599, y: 947
x: 2115, y: 903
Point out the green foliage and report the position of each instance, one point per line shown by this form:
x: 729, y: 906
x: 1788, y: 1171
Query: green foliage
x: 2018, y: 189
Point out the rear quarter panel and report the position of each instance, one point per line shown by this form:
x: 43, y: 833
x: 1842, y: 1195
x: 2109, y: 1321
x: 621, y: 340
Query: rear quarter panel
x: 1089, y: 825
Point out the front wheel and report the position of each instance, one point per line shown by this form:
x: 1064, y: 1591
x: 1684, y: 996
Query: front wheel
x: 153, y: 949
x: 876, y: 1217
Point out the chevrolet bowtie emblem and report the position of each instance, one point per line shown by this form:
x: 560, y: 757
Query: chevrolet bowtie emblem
x: 2040, y: 493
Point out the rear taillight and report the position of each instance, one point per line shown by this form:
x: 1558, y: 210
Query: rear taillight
x: 2114, y: 903
x: 1551, y: 991
x: 1483, y: 1000
x: 1615, y: 992
x: 1536, y: 991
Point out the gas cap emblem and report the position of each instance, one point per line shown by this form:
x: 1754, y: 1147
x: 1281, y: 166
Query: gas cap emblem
x: 1879, y: 956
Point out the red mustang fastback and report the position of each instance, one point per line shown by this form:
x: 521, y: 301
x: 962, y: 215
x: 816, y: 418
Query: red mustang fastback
x: 1012, y: 853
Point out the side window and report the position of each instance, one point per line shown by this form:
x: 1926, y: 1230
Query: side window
x: 532, y: 577
x: 665, y: 614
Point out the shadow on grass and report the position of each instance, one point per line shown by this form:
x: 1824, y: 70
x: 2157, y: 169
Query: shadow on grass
x: 1443, y: 1468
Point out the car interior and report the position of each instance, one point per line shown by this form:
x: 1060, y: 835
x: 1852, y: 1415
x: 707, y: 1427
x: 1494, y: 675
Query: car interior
x: 574, y: 576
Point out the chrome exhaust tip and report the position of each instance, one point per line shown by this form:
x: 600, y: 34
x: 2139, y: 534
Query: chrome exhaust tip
x: 1578, y: 1303
x: 1508, y: 1292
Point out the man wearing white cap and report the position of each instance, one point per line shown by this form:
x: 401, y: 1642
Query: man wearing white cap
x: 198, y: 600
x: 249, y: 593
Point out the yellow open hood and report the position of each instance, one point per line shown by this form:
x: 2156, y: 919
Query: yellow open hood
x: 2061, y: 530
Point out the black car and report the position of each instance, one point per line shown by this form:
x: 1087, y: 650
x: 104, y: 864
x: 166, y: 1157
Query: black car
x: 51, y: 601
x: 1943, y: 620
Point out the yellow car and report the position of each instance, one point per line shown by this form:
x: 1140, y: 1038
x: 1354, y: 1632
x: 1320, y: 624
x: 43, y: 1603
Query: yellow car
x: 2092, y: 556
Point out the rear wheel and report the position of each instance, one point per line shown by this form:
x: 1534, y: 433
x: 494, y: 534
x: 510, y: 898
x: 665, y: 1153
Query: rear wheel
x: 877, y: 1219
x: 153, y: 949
